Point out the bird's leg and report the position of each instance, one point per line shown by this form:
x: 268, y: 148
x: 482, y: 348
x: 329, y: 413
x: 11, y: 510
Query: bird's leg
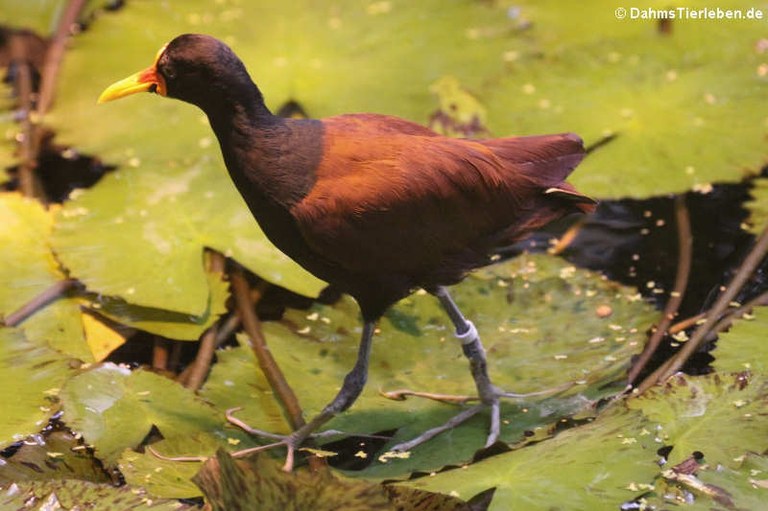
x: 488, y: 393
x: 350, y: 390
x: 473, y: 349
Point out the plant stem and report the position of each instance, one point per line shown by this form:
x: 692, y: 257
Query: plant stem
x: 55, y: 55
x: 160, y: 354
x: 39, y: 301
x: 28, y: 183
x: 684, y: 254
x: 267, y: 363
x: 753, y: 259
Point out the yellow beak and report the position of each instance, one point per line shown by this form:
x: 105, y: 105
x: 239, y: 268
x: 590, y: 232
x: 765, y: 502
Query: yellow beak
x: 148, y: 80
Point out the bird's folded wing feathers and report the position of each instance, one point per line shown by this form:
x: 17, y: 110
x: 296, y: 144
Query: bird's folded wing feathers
x: 384, y: 189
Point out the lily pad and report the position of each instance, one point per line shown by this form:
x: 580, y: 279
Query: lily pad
x: 758, y: 206
x: 702, y: 413
x: 164, y: 322
x: 42, y: 16
x: 743, y: 347
x: 166, y: 478
x: 28, y: 268
x: 595, y: 466
x: 415, y: 349
x: 140, y: 234
x: 672, y: 99
x: 72, y: 495
x: 54, y: 456
x: 30, y: 375
x: 38, y: 16
x: 115, y: 409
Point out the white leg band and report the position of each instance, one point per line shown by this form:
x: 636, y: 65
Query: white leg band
x: 470, y: 335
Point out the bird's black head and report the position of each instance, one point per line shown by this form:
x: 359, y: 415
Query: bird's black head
x: 195, y: 68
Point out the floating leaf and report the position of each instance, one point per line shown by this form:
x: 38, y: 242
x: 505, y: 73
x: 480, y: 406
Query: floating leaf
x: 30, y: 376
x: 596, y: 466
x: 703, y: 413
x: 163, y: 322
x: 73, y: 495
x: 28, y: 268
x: 140, y: 234
x: 40, y: 16
x: 743, y: 347
x: 758, y: 206
x: 102, y: 339
x: 166, y: 478
x: 115, y: 409
x: 683, y: 105
x: 57, y: 455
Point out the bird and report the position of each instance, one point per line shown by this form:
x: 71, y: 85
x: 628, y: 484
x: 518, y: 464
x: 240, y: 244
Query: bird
x: 376, y: 205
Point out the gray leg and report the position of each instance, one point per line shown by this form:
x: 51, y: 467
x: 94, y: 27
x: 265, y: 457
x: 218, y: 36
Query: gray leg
x: 472, y: 347
x: 475, y: 353
x: 353, y: 385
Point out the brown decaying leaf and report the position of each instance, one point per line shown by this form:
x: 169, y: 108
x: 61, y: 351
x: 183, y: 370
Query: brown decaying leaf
x: 259, y: 483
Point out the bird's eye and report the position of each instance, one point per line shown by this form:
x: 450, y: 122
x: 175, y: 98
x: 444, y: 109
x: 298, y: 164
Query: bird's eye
x: 169, y: 72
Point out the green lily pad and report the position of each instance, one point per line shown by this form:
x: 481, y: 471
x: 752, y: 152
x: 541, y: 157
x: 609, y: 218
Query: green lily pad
x: 30, y: 375
x: 684, y: 106
x: 527, y: 352
x: 743, y: 347
x: 596, y: 466
x: 72, y: 495
x: 758, y: 206
x: 165, y: 478
x: 28, y: 268
x: 139, y: 235
x: 672, y: 101
x: 704, y: 413
x: 42, y: 16
x: 169, y: 324
x: 7, y: 131
x: 115, y: 409
x: 38, y: 16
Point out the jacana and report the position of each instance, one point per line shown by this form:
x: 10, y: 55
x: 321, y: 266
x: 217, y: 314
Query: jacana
x: 376, y: 205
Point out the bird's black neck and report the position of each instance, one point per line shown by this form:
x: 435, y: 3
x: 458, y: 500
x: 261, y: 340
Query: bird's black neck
x: 270, y: 159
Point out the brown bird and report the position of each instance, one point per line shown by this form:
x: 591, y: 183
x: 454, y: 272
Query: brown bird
x: 375, y: 205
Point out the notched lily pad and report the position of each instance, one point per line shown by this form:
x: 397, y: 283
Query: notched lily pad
x: 28, y: 268
x: 743, y: 347
x: 72, y: 495
x: 595, y: 466
x: 115, y: 409
x: 55, y: 455
x: 719, y: 415
x: 758, y: 206
x: 140, y: 234
x: 30, y: 376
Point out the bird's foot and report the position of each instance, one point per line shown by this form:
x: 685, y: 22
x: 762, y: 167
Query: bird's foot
x: 292, y: 442
x: 491, y: 400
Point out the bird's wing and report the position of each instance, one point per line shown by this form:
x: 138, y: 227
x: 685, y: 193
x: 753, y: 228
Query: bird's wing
x: 405, y: 202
